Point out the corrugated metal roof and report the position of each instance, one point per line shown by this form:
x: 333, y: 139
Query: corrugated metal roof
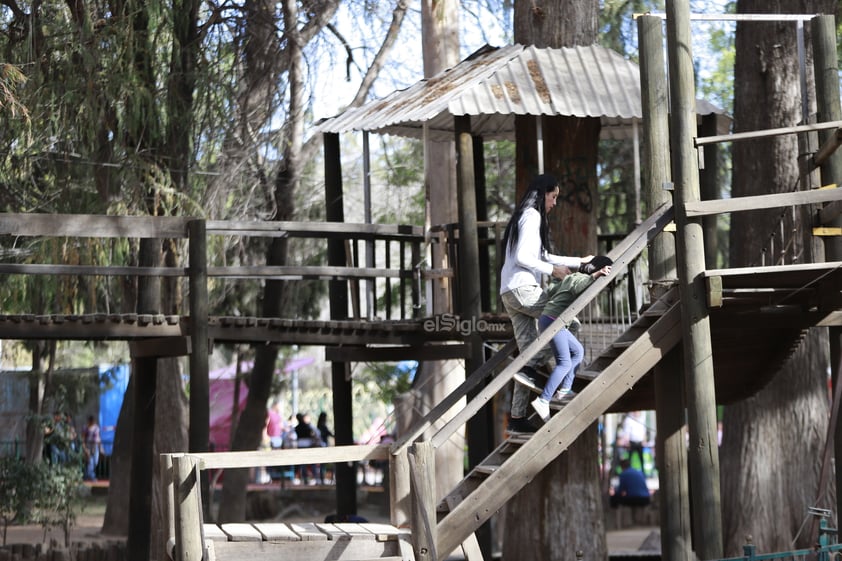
x: 494, y: 84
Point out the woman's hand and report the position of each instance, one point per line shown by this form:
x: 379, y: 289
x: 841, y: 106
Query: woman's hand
x: 560, y: 271
x: 604, y: 272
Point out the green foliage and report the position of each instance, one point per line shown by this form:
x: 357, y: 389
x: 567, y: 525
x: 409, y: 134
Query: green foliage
x: 387, y: 380
x: 46, y: 494
x: 18, y: 488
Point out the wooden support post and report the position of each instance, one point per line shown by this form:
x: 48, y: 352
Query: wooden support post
x: 400, y: 493
x: 167, y: 549
x: 422, y: 470
x: 346, y: 474
x: 709, y: 188
x: 479, y: 435
x: 826, y: 71
x: 144, y: 372
x: 189, y: 540
x: 199, y: 429
x: 481, y: 197
x: 670, y: 444
x: 698, y: 356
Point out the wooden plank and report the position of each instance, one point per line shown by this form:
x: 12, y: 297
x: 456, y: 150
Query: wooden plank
x: 354, y: 530
x: 160, y: 347
x: 213, y: 532
x: 268, y: 458
x: 397, y: 353
x: 320, y: 550
x: 827, y: 231
x: 385, y: 532
x: 714, y: 292
x: 348, y: 230
x: 276, y: 532
x: 92, y: 270
x: 333, y: 533
x: 105, y: 226
x: 756, y: 202
x: 829, y: 212
x: 308, y: 531
x: 471, y: 549
x: 307, y: 272
x: 239, y: 532
x: 766, y: 133
x: 93, y: 225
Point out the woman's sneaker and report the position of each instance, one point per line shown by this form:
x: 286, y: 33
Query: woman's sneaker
x: 564, y: 395
x: 542, y: 407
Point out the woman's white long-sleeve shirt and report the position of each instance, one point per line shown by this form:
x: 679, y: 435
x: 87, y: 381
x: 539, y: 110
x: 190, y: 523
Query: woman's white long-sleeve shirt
x: 527, y: 262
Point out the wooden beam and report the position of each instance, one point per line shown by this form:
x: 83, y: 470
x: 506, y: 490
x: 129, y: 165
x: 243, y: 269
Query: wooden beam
x: 306, y: 272
x: 93, y: 225
x: 828, y: 148
x: 104, y: 226
x: 830, y: 212
x: 160, y: 348
x: 766, y: 133
x: 739, y: 204
x: 292, y: 457
x: 397, y: 353
x: 827, y: 231
x: 714, y: 288
x: 94, y: 270
x: 346, y: 230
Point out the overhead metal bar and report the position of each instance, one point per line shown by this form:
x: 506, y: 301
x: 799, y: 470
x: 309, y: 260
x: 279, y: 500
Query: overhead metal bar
x: 764, y: 133
x: 739, y: 17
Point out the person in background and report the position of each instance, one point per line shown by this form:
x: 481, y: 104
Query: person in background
x: 274, y: 425
x: 631, y: 489
x: 634, y: 430
x: 325, y: 434
x: 527, y: 261
x: 92, y: 445
x: 308, y: 437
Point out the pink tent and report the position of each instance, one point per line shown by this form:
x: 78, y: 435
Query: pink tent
x: 221, y: 394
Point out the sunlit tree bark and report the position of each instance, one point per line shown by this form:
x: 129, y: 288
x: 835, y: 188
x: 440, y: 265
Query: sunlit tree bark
x: 763, y: 496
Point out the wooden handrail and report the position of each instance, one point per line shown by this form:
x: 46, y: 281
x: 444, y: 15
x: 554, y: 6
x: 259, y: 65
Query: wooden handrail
x: 290, y: 457
x: 626, y: 251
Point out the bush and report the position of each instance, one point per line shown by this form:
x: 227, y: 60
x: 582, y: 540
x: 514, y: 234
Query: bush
x: 40, y: 493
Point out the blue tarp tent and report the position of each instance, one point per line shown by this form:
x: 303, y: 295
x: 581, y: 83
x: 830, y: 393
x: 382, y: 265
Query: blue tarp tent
x: 113, y: 381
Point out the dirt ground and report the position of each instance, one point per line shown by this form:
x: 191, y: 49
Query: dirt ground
x: 89, y: 523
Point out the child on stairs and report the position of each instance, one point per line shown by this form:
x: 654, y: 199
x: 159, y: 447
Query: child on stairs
x: 567, y: 349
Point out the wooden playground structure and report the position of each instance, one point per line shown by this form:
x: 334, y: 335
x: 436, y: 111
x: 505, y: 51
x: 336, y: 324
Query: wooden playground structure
x: 753, y: 318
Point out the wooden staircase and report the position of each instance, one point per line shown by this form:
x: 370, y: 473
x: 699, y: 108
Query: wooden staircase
x: 519, y: 459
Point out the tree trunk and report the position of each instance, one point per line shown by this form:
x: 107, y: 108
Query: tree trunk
x: 253, y: 418
x: 560, y: 512
x: 567, y: 495
x: 762, y: 496
x: 440, y: 46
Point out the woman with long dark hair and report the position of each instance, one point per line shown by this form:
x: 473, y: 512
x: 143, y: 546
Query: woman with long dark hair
x: 528, y: 259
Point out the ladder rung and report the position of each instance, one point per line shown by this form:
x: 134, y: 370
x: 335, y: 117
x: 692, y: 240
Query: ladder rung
x: 485, y: 469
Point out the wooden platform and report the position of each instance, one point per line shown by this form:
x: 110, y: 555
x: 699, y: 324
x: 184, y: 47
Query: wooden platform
x: 341, y: 541
x: 758, y: 317
x: 236, y: 329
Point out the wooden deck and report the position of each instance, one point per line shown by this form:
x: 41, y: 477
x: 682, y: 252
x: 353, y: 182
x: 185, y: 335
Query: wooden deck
x: 308, y: 540
x: 230, y: 329
x: 758, y: 317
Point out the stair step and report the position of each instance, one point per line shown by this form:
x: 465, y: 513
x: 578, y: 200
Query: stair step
x: 485, y: 469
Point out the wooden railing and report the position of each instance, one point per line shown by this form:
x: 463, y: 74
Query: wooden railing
x: 393, y: 252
